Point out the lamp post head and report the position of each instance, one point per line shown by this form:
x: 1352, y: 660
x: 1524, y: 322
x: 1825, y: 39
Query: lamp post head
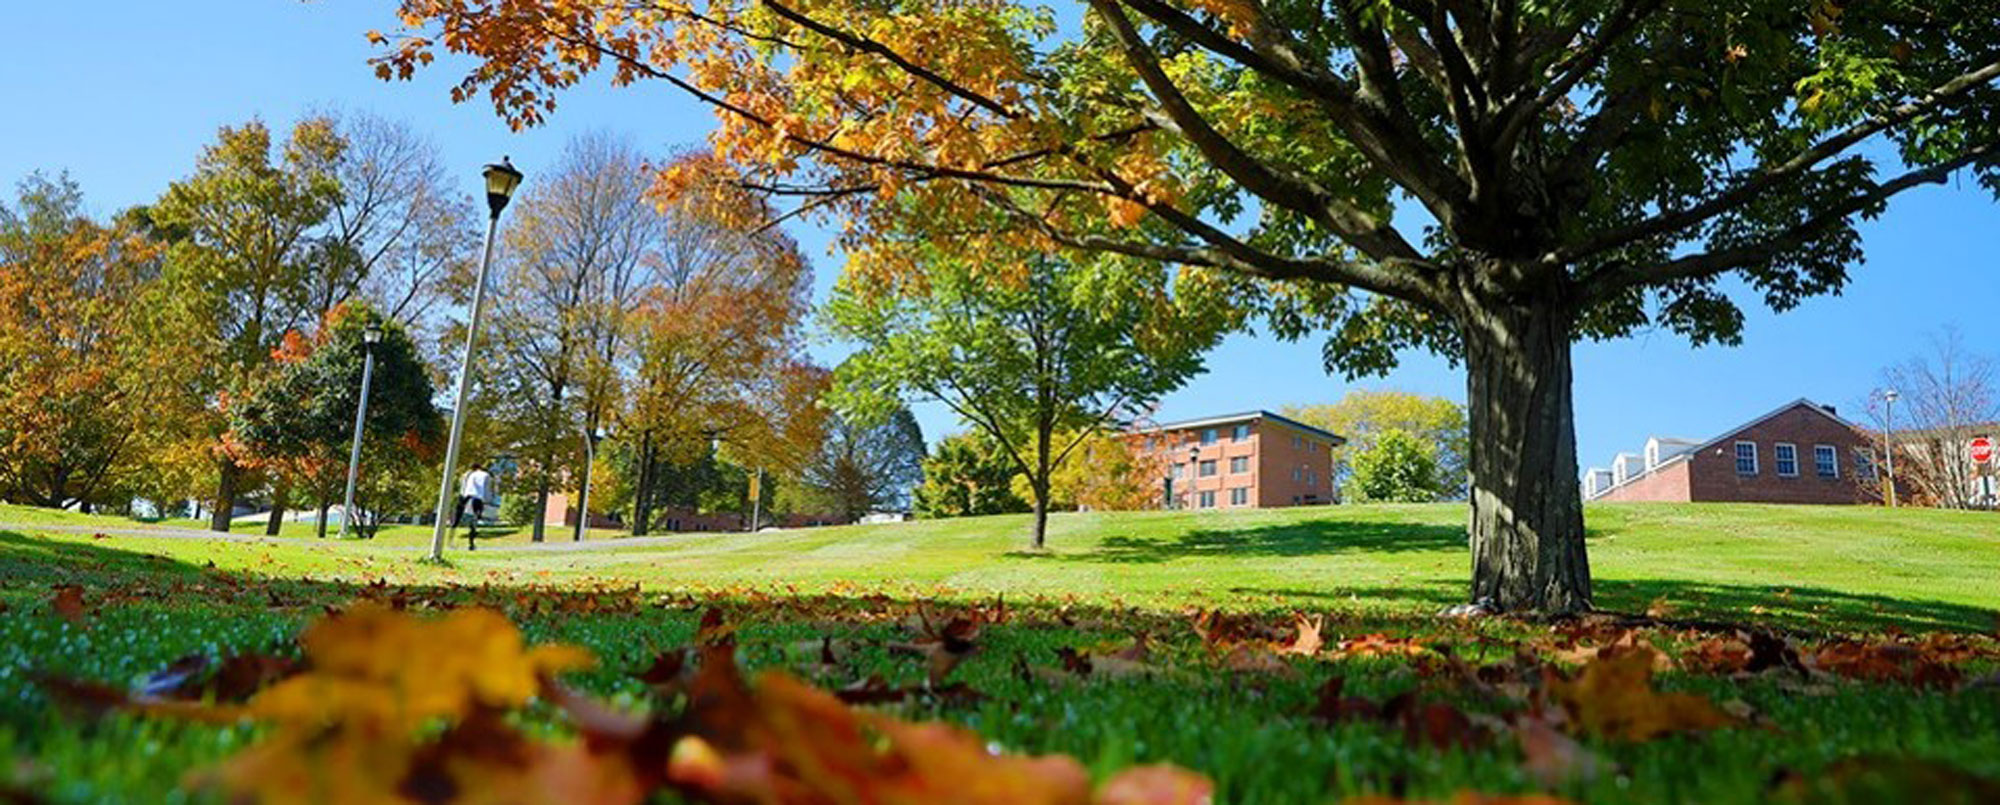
x: 1890, y: 395
x: 501, y: 179
x: 372, y: 334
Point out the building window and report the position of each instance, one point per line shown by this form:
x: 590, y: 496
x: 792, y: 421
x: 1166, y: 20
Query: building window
x: 1152, y: 443
x: 1298, y: 474
x: 1864, y: 462
x: 1206, y: 500
x: 1788, y: 459
x: 1174, y: 472
x: 1240, y: 496
x: 1239, y: 464
x: 1826, y: 461
x: 1298, y: 443
x: 1746, y: 458
x: 1207, y: 468
x: 1208, y: 436
x: 1312, y: 478
x: 1240, y: 433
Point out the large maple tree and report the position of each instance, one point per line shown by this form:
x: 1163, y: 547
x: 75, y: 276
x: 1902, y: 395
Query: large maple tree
x: 1564, y: 170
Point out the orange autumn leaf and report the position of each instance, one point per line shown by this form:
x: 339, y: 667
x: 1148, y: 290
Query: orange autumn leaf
x: 1614, y: 698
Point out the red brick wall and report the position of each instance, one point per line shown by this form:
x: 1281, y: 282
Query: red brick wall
x: 1280, y: 457
x: 1712, y: 471
x: 1668, y: 483
x: 1268, y: 477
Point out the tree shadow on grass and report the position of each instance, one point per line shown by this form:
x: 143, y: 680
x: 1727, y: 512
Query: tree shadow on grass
x: 1806, y: 608
x: 1294, y: 539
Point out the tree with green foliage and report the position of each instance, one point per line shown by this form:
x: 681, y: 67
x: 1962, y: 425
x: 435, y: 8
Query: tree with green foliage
x: 301, y: 419
x: 967, y: 475
x: 1362, y: 416
x: 240, y: 268
x: 1490, y: 181
x: 1038, y: 355
x: 1397, y: 467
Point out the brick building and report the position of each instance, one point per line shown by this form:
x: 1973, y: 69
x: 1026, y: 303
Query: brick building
x: 1801, y: 453
x: 1251, y: 459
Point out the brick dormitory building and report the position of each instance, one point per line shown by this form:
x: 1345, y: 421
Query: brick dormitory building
x: 1244, y: 460
x: 1803, y: 452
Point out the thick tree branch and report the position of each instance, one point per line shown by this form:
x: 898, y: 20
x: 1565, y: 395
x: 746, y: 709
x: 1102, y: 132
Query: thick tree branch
x: 1287, y: 190
x: 1613, y: 279
x: 1524, y: 109
x: 1772, y: 176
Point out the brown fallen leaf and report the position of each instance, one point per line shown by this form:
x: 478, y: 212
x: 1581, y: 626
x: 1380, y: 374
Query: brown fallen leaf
x: 1309, y: 640
x: 1614, y: 698
x: 66, y: 602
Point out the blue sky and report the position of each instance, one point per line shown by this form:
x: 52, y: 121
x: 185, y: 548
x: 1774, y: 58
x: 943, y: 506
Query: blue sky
x: 124, y: 95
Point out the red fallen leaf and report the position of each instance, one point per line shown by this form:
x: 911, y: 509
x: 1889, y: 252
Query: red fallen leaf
x: 945, y: 648
x: 1257, y: 659
x: 1431, y: 724
x: 67, y: 603
x: 1884, y: 662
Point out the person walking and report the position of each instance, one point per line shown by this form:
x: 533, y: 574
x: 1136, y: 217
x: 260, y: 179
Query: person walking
x: 473, y: 490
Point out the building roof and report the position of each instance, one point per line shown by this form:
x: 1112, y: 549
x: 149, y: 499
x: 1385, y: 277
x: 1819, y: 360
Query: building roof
x: 1244, y: 416
x: 1724, y: 436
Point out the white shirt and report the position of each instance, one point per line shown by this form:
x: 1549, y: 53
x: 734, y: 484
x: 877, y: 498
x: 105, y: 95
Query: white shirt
x: 475, y: 484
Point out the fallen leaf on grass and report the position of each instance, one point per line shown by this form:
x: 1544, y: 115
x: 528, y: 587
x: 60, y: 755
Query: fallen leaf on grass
x: 1380, y: 645
x: 1463, y: 798
x: 1422, y: 723
x: 1309, y: 641
x: 66, y: 602
x: 1884, y: 662
x: 1614, y: 698
x: 1552, y: 758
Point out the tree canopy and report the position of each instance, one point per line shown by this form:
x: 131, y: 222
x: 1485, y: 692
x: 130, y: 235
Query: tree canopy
x: 1488, y: 180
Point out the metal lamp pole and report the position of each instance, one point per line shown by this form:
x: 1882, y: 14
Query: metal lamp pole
x: 501, y: 180
x: 590, y: 440
x: 369, y: 338
x: 1194, y: 474
x: 1889, y: 440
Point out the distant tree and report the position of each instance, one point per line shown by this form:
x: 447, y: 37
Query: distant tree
x: 240, y: 270
x: 84, y: 390
x: 401, y: 230
x: 1946, y: 397
x: 1396, y: 468
x: 1362, y: 416
x: 1039, y: 354
x: 301, y: 419
x: 966, y: 475
x: 582, y: 249
x: 718, y: 339
x: 865, y: 466
x: 1105, y: 473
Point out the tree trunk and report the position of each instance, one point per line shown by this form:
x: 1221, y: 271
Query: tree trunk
x: 1527, y: 512
x: 323, y: 506
x: 541, y: 507
x: 281, y: 493
x: 225, y: 496
x: 1039, y: 483
x: 642, y: 496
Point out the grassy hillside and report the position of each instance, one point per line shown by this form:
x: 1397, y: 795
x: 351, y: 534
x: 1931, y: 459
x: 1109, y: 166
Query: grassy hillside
x: 1831, y: 567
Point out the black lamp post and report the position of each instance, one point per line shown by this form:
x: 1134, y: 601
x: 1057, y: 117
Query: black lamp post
x: 1194, y: 472
x: 501, y: 179
x: 370, y: 336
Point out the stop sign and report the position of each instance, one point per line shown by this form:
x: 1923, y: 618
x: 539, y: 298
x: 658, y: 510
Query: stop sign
x: 1982, y: 450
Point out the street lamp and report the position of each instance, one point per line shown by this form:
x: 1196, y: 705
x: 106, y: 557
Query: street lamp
x: 1194, y: 472
x: 1889, y: 397
x: 370, y: 336
x: 589, y: 463
x: 501, y: 180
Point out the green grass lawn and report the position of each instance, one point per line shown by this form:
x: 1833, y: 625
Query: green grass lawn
x: 1367, y: 568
